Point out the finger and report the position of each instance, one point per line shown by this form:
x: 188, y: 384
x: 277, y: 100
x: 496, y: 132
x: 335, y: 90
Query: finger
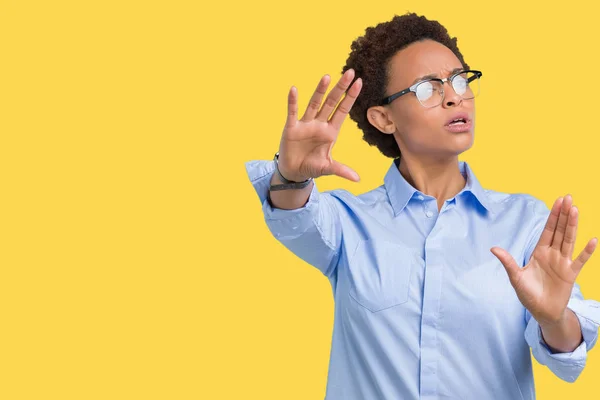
x: 561, y: 225
x: 548, y: 233
x: 570, y: 233
x: 510, y: 265
x: 584, y: 256
x: 341, y: 170
x: 292, y: 116
x: 343, y: 109
x: 315, y: 101
x: 335, y: 95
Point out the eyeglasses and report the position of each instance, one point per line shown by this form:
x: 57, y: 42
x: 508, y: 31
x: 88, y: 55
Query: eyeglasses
x: 430, y: 92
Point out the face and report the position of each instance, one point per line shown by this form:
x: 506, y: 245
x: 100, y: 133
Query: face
x: 420, y: 131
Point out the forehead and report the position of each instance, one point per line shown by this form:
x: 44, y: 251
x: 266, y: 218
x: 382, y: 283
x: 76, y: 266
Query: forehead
x: 419, y: 59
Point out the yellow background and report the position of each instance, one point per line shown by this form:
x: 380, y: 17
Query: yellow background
x: 134, y: 259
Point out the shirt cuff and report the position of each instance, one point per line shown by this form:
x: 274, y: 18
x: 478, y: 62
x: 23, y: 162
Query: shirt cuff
x: 567, y: 366
x: 283, y: 223
x: 588, y: 313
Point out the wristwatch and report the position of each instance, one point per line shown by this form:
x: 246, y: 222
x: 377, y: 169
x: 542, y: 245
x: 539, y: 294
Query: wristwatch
x: 287, y: 183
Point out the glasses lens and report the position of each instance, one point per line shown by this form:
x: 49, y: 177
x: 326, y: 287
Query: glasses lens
x: 429, y: 93
x: 466, y: 85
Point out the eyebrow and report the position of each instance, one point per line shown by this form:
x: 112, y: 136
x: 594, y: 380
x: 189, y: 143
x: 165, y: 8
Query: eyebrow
x: 431, y: 76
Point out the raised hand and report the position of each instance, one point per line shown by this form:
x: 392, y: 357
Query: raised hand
x: 305, y: 147
x: 544, y: 285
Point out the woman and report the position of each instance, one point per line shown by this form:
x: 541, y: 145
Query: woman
x: 441, y: 287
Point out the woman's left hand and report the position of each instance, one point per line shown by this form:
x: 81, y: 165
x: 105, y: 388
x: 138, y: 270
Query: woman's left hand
x: 544, y: 285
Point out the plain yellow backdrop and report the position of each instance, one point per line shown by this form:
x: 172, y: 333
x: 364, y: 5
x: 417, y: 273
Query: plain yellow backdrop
x: 134, y: 259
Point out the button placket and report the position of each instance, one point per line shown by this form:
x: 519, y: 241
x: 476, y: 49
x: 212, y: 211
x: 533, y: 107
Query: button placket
x: 427, y: 209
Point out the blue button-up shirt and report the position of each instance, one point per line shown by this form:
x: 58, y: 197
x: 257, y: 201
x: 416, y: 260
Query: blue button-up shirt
x: 423, y: 309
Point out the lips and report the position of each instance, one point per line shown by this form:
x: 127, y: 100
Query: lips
x: 458, y: 117
x: 460, y: 122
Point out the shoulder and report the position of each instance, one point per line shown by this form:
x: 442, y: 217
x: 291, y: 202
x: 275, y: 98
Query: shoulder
x: 527, y: 205
x: 365, y: 199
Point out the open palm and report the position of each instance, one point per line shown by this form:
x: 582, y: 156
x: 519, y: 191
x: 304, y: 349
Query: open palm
x: 306, y: 144
x: 544, y: 285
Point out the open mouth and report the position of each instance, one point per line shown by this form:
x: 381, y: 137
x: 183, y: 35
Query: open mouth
x: 458, y: 121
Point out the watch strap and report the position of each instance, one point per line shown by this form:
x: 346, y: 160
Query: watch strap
x: 287, y: 184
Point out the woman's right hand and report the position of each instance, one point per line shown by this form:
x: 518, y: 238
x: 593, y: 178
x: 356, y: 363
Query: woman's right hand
x: 305, y: 147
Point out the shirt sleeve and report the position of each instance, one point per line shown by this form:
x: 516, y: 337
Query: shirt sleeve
x: 567, y: 366
x: 541, y: 212
x: 312, y: 232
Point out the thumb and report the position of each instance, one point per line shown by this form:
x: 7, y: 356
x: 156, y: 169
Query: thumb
x: 511, y: 266
x: 343, y: 171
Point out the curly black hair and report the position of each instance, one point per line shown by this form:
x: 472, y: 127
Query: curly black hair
x: 370, y: 56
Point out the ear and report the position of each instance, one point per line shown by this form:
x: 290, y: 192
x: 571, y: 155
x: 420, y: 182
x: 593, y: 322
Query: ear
x: 378, y: 116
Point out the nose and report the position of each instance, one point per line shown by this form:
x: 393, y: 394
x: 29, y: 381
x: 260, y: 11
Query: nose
x: 451, y: 98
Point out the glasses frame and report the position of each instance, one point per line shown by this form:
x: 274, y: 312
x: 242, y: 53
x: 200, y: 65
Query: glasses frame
x: 413, y: 88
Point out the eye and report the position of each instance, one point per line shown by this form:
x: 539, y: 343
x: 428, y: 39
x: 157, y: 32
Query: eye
x: 460, y: 84
x: 424, y: 90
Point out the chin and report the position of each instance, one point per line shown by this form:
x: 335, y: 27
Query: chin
x: 463, y: 141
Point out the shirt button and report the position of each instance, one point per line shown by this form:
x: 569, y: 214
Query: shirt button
x: 420, y: 197
x: 429, y: 214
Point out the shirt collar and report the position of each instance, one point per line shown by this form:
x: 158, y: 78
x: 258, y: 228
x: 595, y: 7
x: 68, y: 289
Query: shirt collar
x: 400, y: 191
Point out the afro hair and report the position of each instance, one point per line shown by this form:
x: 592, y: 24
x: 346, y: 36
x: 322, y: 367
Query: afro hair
x: 370, y: 56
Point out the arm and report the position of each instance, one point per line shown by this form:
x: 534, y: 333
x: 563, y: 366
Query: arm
x: 561, y: 325
x: 304, y: 220
x: 568, y: 364
x: 312, y: 232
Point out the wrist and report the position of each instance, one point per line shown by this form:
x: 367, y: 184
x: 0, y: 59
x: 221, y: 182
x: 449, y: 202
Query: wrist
x: 286, y: 183
x: 556, y: 324
x: 563, y: 336
x: 286, y: 176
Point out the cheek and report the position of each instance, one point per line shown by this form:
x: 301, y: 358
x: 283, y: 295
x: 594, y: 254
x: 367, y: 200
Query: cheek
x: 410, y: 117
x: 422, y: 125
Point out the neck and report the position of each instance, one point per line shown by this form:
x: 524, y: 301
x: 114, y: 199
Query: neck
x: 439, y: 178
